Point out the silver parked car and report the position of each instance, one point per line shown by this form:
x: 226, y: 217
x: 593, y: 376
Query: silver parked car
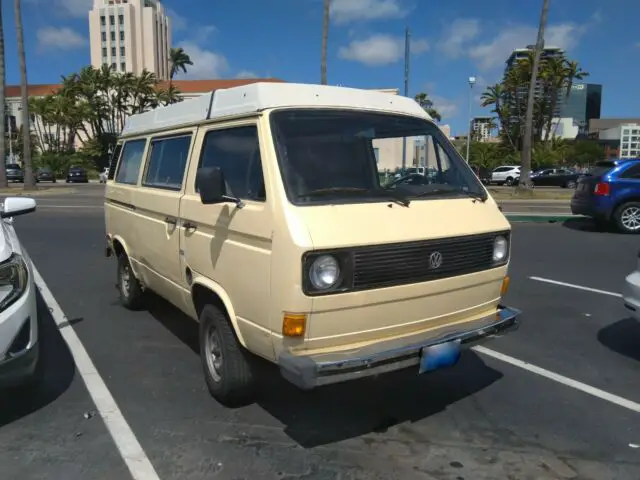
x: 631, y: 292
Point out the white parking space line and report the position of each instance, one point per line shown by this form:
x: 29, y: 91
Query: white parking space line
x: 126, y: 442
x: 569, y: 382
x: 577, y: 287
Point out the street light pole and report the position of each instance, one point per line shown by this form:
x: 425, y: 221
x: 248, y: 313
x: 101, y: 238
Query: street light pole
x: 472, y: 81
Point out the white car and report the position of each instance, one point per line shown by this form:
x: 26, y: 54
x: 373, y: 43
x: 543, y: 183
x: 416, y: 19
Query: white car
x: 103, y: 175
x: 505, y: 175
x: 19, y: 346
x: 631, y: 292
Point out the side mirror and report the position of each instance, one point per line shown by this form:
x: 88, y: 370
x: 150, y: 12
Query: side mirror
x: 210, y: 183
x: 14, y: 206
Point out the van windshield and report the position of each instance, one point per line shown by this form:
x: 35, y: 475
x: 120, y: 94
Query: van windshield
x: 346, y: 156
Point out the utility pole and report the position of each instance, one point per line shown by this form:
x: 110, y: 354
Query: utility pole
x: 407, y: 57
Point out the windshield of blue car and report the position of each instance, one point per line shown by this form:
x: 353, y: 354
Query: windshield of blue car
x: 347, y: 156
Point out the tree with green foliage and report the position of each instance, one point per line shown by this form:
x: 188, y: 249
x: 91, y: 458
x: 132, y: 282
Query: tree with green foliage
x: 178, y: 60
x: 91, y: 107
x: 427, y: 105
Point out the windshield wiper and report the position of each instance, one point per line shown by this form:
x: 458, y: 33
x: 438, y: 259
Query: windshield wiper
x: 327, y: 191
x: 449, y: 189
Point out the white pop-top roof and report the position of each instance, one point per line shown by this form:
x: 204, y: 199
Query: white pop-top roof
x: 256, y: 97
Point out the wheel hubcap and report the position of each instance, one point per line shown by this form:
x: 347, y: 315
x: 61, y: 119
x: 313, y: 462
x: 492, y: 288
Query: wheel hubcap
x: 125, y: 280
x: 213, y: 353
x: 630, y: 218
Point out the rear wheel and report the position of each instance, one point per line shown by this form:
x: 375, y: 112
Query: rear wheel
x: 509, y: 181
x: 570, y: 184
x: 627, y: 217
x: 226, y: 364
x: 130, y: 289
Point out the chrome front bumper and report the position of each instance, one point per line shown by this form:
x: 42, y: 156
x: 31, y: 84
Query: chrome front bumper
x: 308, y: 372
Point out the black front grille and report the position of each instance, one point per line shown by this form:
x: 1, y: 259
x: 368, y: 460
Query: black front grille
x: 411, y: 262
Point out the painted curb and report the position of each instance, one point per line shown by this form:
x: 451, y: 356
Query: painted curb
x: 540, y: 218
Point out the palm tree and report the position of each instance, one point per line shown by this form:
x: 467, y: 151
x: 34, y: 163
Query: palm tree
x: 427, y: 105
x: 3, y: 161
x: 29, y: 179
x: 525, y: 171
x: 325, y: 39
x: 178, y: 59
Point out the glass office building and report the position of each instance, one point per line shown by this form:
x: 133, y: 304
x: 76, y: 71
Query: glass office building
x: 582, y: 104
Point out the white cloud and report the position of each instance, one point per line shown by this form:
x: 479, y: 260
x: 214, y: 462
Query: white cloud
x: 178, y: 22
x: 247, y: 74
x: 75, y: 8
x: 206, y: 63
x: 380, y: 49
x: 461, y: 38
x: 345, y: 11
x: 457, y: 35
x: 445, y: 107
x: 492, y: 54
x: 203, y: 33
x: 52, y: 38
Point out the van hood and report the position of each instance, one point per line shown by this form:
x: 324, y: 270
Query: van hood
x: 332, y: 226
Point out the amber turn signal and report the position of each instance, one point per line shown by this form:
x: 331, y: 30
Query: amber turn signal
x: 505, y: 286
x: 294, y: 324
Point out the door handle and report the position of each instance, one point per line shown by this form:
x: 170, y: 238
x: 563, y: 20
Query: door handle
x: 170, y: 221
x: 189, y: 226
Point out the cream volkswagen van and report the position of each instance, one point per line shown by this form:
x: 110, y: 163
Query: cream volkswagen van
x: 258, y: 211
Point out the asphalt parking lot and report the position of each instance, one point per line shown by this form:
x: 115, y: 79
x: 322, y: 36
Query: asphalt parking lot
x: 488, y: 418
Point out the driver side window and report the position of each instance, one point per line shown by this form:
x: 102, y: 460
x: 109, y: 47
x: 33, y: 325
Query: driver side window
x: 237, y: 152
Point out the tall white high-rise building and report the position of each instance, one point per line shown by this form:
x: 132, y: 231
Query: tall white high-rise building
x: 130, y: 36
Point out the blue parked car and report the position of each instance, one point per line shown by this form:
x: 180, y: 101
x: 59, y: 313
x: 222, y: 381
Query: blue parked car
x: 610, y: 194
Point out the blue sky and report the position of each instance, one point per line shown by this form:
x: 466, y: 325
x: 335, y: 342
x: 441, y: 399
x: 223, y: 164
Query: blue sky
x: 281, y: 38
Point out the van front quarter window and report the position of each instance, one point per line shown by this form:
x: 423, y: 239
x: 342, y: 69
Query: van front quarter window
x: 333, y: 156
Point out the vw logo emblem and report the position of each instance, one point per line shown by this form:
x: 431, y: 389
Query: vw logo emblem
x: 435, y: 260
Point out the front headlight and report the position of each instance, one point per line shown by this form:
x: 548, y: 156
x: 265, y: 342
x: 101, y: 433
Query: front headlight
x: 500, y: 249
x: 324, y: 272
x: 14, y: 277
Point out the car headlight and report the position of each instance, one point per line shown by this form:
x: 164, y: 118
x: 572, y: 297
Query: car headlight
x: 14, y: 277
x: 324, y: 272
x: 500, y: 249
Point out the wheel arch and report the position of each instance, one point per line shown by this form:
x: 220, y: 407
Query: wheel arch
x: 205, y: 291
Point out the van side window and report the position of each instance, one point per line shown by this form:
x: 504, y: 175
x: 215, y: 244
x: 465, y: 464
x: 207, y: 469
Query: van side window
x: 237, y: 152
x: 167, y: 162
x: 130, y: 161
x: 113, y: 161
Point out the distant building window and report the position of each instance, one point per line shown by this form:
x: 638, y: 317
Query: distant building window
x: 104, y: 36
x: 102, y: 20
x: 104, y: 53
x: 113, y: 66
x: 122, y: 51
x: 113, y: 51
x: 121, y: 19
x: 112, y: 20
x: 113, y: 36
x: 123, y: 67
x: 121, y: 35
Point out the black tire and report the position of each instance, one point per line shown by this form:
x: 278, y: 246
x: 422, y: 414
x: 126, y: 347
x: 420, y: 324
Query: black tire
x: 570, y: 184
x: 231, y: 380
x: 509, y: 181
x: 624, y: 210
x: 54, y: 180
x: 129, y: 288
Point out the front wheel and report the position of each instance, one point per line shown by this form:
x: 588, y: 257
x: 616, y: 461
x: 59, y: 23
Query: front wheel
x: 509, y: 181
x: 570, y: 184
x: 627, y: 217
x: 226, y: 364
x: 129, y: 287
